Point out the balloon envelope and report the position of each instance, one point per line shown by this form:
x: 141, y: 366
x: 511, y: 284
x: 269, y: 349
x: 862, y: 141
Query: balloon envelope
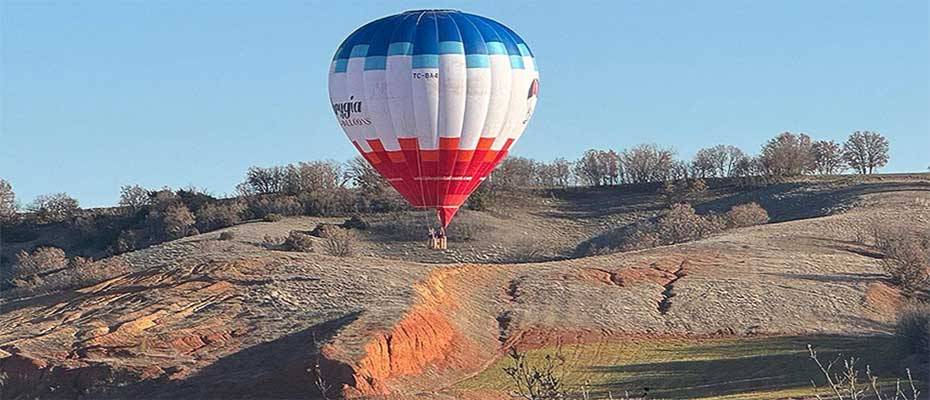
x: 434, y: 99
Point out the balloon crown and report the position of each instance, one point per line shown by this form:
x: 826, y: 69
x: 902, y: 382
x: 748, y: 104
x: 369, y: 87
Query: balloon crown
x: 431, y: 10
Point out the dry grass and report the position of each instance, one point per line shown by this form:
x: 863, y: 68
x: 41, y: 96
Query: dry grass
x: 748, y: 214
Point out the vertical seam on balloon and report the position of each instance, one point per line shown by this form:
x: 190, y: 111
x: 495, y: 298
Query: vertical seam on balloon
x: 416, y: 27
x: 475, y: 160
x: 455, y: 157
x: 458, y: 185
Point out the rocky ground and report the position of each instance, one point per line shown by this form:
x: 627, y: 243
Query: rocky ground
x: 205, y: 318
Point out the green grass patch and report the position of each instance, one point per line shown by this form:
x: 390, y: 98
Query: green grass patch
x: 731, y: 368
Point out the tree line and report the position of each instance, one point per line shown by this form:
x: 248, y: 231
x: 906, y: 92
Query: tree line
x: 786, y: 155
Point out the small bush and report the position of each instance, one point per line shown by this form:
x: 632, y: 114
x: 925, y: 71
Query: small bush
x: 272, y: 217
x: 678, y: 224
x: 907, y: 258
x: 42, y: 259
x: 125, y: 242
x: 355, y: 222
x: 913, y: 328
x: 57, y: 207
x: 299, y: 241
x: 261, y: 206
x: 176, y: 221
x: 340, y: 242
x: 323, y: 230
x: 748, y: 214
x: 81, y: 272
x: 227, y: 235
x: 215, y: 216
x: 271, y: 242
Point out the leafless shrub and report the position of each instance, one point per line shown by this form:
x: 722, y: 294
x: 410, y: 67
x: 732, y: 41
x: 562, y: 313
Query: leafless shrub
x: 56, y: 207
x: 8, y: 208
x: 683, y: 191
x: 299, y: 241
x: 355, y: 222
x: 340, y: 242
x: 79, y: 273
x: 542, y: 381
x: 216, y: 216
x: 678, y: 224
x: 174, y: 222
x: 913, y: 328
x: 134, y: 197
x: 227, y: 235
x: 126, y: 241
x: 272, y: 217
x: 271, y: 242
x: 748, y: 214
x: 906, y: 258
x: 40, y: 260
x: 846, y: 384
x: 260, y: 206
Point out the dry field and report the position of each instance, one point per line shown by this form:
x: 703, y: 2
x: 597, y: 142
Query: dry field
x: 727, y: 316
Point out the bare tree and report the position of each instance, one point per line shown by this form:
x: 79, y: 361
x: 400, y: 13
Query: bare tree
x: 865, y: 151
x: 718, y: 161
x: 828, y: 157
x: 8, y: 209
x: 313, y: 176
x: 561, y: 170
x: 134, y: 197
x: 260, y: 180
x: 56, y: 207
x: 702, y: 165
x: 787, y: 154
x: 647, y: 163
x: 515, y: 173
x: 589, y: 168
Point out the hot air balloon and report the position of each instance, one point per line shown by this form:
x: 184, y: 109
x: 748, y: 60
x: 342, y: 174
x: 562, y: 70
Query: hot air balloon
x: 434, y: 100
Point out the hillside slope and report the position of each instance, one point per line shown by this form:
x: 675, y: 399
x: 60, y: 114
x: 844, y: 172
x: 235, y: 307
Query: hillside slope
x: 201, y: 317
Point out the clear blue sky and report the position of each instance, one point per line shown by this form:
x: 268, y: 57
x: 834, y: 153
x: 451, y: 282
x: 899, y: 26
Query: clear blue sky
x: 98, y: 94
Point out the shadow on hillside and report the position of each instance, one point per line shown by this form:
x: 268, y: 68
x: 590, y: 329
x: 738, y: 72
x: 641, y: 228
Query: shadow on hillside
x: 278, y: 369
x: 792, y: 201
x: 783, y: 202
x: 743, y: 367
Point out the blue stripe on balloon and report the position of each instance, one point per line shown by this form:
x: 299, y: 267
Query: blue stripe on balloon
x: 426, y: 61
x: 427, y: 38
x: 375, y: 63
x: 359, y: 50
x: 524, y: 51
x: 496, y: 48
x: 516, y: 62
x: 450, y: 47
x: 471, y: 37
x: 477, y: 61
x: 341, y: 65
x: 400, y: 49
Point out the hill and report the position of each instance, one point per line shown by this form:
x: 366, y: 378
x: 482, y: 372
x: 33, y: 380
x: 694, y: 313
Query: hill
x: 724, y: 315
